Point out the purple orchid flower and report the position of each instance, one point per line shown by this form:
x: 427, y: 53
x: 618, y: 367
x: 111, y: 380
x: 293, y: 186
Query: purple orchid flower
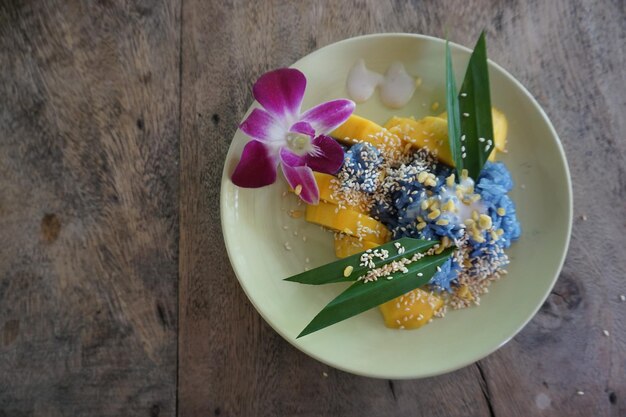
x: 280, y: 134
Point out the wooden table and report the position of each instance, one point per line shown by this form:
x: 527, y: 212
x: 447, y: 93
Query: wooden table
x: 116, y: 294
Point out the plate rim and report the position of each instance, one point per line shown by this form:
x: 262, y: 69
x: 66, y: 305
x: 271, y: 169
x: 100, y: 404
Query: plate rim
x: 461, y: 364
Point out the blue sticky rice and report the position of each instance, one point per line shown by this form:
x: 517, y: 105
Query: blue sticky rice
x: 401, y: 208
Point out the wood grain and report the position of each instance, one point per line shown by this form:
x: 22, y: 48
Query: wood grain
x: 89, y: 128
x: 571, y: 58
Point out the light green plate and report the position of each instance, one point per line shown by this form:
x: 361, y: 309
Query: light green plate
x: 256, y: 225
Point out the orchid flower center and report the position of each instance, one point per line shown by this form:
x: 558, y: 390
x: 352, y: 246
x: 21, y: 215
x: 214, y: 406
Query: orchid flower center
x: 299, y: 143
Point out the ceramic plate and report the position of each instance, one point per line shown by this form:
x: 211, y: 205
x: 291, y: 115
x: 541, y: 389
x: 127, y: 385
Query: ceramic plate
x: 256, y: 225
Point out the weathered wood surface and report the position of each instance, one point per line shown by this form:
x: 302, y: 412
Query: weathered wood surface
x: 89, y: 130
x: 103, y: 215
x: 571, y: 56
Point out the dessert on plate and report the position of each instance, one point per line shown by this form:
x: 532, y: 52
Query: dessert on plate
x: 419, y: 206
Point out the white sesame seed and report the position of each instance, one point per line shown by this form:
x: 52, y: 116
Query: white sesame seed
x: 481, y: 139
x: 325, y: 374
x: 579, y: 392
x: 307, y: 260
x: 287, y: 246
x: 419, y: 274
x: 583, y: 217
x: 465, y: 114
x: 622, y: 297
x: 606, y: 333
x: 463, y: 94
x: 463, y: 155
x: 487, y: 148
x: 462, y: 138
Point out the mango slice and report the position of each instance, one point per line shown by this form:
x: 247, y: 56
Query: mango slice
x: 324, y: 184
x: 500, y: 129
x: 360, y: 129
x: 347, y: 221
x: 411, y: 310
x: 348, y: 245
x: 327, y: 189
x: 430, y: 132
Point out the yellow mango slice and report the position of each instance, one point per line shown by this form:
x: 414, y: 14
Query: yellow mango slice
x: 429, y: 132
x: 324, y: 184
x: 347, y: 221
x: 411, y: 310
x: 360, y: 129
x: 500, y: 129
x: 346, y: 245
x: 327, y: 189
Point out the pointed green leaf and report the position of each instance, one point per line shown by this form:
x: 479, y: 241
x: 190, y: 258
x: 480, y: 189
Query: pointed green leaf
x: 333, y: 272
x: 362, y: 296
x: 452, y: 108
x: 475, y: 110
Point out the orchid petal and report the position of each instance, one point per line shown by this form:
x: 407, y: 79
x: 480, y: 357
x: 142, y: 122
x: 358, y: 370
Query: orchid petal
x: 257, y: 166
x: 302, y: 176
x: 291, y: 159
x: 260, y: 125
x: 304, y: 128
x: 280, y: 92
x: 326, y: 117
x: 329, y: 157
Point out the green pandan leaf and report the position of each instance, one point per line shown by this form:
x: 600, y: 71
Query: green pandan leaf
x: 362, y: 296
x: 334, y: 271
x: 476, y: 133
x: 452, y: 108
